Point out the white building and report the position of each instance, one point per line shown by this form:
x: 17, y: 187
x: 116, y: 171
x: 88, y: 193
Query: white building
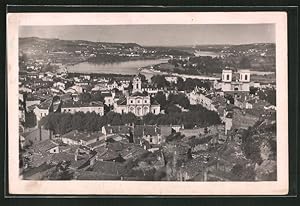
x: 81, y: 138
x: 59, y: 85
x: 137, y: 103
x: 42, y: 109
x: 73, y: 107
x: 241, y: 84
x: 171, y: 79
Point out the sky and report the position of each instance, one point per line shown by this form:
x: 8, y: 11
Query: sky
x: 158, y: 35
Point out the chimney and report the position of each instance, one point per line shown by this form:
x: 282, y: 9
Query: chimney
x: 76, y: 156
x: 40, y: 131
x: 205, y: 175
x: 92, y: 161
x: 144, y: 130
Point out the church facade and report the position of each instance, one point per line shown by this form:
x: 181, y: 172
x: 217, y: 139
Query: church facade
x: 238, y: 83
x: 137, y: 102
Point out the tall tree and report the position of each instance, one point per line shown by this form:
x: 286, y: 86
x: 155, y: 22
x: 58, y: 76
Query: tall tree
x: 160, y: 97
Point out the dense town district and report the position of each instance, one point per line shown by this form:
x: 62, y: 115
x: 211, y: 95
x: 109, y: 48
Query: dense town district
x: 96, y: 126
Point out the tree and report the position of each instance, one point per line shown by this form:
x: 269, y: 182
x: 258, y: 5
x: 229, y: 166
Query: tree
x: 180, y: 99
x: 160, y: 97
x: 250, y: 147
x: 269, y: 95
x: 180, y: 83
x: 62, y: 172
x: 143, y: 78
x: 245, y: 63
x: 97, y: 96
x: 159, y: 81
x: 237, y: 171
x: 172, y: 109
x: 65, y: 123
x: 189, y: 84
x: 76, y: 122
x: 30, y: 119
x: 117, y: 120
x: 150, y: 118
x: 174, y: 137
x: 128, y: 118
x: 253, y: 90
x: 85, y: 97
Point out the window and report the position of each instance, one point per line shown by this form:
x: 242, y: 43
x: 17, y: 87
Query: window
x: 227, y: 76
x: 145, y: 101
x: 131, y: 101
x: 246, y: 77
x: 154, y: 111
x: 151, y: 140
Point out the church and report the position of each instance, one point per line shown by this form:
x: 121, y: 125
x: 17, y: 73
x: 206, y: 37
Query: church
x: 236, y: 82
x: 137, y: 102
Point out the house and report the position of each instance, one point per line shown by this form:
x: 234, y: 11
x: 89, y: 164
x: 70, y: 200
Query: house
x: 109, y: 131
x: 108, y: 99
x: 151, y: 133
x: 47, y: 146
x: 49, y: 74
x: 107, y: 169
x: 59, y: 85
x: 25, y: 89
x: 243, y: 102
x: 32, y: 101
x: 36, y: 135
x: 199, y: 144
x: 132, y: 151
x: 177, y: 128
x: 171, y: 79
x: 42, y: 109
x: 228, y: 122
x: 75, y: 161
x: 86, y: 76
x: 112, y: 85
x: 76, y: 106
x: 207, y: 101
x: 38, y: 173
x: 242, y: 119
x: 81, y: 138
x: 97, y: 144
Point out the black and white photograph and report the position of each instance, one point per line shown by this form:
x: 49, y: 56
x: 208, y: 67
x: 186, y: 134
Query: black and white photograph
x: 142, y: 102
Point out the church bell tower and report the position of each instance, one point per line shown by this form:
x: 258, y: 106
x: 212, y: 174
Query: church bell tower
x: 137, y: 84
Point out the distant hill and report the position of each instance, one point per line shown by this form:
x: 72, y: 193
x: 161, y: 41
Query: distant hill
x: 29, y: 41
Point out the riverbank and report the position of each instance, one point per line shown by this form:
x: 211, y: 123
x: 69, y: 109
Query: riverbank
x: 147, y: 70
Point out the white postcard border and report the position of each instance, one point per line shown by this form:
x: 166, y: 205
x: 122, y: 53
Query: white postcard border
x: 18, y: 186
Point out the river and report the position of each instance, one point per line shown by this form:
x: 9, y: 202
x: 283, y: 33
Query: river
x: 127, y: 67
x: 206, y: 53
